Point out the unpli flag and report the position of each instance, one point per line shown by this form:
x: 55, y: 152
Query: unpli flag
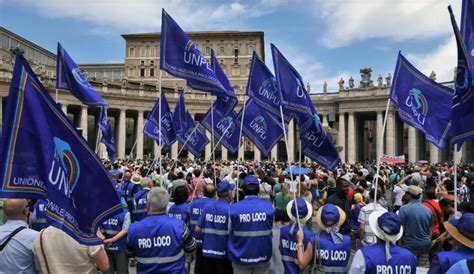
x: 293, y: 95
x: 318, y: 146
x: 70, y: 77
x: 179, y: 114
x: 261, y: 127
x: 463, y: 100
x: 421, y: 102
x: 193, y: 137
x: 103, y: 120
x: 108, y: 139
x: 224, y: 104
x: 152, y: 129
x: 180, y: 57
x: 262, y: 88
x: 224, y: 125
x: 43, y: 156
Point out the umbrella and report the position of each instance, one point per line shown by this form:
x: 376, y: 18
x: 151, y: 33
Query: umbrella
x: 297, y: 170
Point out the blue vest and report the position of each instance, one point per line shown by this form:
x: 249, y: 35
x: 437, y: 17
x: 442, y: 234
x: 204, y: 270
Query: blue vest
x: 157, y: 242
x: 215, y: 229
x: 402, y: 261
x: 195, y: 209
x: 126, y: 190
x: 179, y: 212
x: 140, y: 205
x: 112, y: 227
x: 289, y: 247
x: 448, y: 258
x: 334, y: 257
x: 40, y: 221
x: 250, y: 239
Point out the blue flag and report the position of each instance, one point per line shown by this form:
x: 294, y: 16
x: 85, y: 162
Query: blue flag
x: 70, y: 77
x: 224, y: 125
x: 179, y: 114
x: 108, y: 139
x: 262, y: 128
x: 43, y: 156
x: 180, y: 57
x: 151, y: 128
x: 262, y: 88
x: 318, y: 146
x: 103, y: 120
x: 421, y: 102
x: 224, y: 104
x: 463, y: 100
x: 293, y: 95
x: 193, y: 137
x: 467, y: 30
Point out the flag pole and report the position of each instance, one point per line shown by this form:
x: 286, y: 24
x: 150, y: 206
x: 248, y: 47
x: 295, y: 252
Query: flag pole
x: 222, y: 137
x: 97, y: 143
x: 159, y: 127
x: 380, y: 152
x: 56, y: 96
x: 455, y: 174
x: 299, y: 165
x: 213, y: 146
x: 289, y: 163
x: 240, y: 144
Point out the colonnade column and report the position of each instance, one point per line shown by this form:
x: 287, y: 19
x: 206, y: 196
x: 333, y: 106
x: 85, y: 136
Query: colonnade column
x: 174, y: 150
x: 121, y: 134
x: 341, y: 137
x: 351, y: 139
x: 274, y: 153
x: 379, y: 132
x: 391, y: 133
x: 291, y: 140
x: 412, y: 145
x: 434, y: 154
x: 208, y: 150
x: 83, y: 122
x: 325, y: 121
x: 224, y: 153
x: 63, y: 108
x: 256, y: 153
x: 139, y: 146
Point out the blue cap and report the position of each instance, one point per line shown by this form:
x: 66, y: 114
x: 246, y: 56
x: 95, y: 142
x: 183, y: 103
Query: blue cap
x: 250, y: 180
x: 302, y: 208
x: 224, y: 186
x: 390, y: 223
x: 330, y: 215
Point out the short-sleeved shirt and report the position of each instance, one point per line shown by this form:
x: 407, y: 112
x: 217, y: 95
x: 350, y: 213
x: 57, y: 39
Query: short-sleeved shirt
x: 369, y: 237
x: 417, y: 221
x: 399, y: 192
x: 75, y: 258
x: 17, y: 256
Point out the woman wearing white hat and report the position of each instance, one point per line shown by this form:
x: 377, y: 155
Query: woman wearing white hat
x: 296, y: 241
x: 333, y: 249
x: 384, y: 256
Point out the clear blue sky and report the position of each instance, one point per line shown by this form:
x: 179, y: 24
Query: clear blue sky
x: 324, y: 39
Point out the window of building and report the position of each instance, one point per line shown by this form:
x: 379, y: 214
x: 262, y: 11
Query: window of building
x: 221, y: 50
x: 236, y: 53
x: 131, y: 72
x: 152, y: 63
x: 235, y: 72
x: 152, y: 72
x: 142, y: 62
x: 152, y: 51
x: 142, y: 51
x: 142, y: 72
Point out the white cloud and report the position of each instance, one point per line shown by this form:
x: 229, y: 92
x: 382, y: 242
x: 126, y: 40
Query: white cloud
x: 142, y: 15
x: 441, y: 60
x: 398, y: 20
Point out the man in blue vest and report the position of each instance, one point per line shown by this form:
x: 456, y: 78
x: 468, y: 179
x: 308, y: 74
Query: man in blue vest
x: 333, y: 249
x: 115, y: 231
x: 38, y: 218
x: 128, y: 188
x: 214, y: 224
x: 250, y: 235
x: 140, y: 199
x: 159, y: 241
x: 195, y: 209
x: 385, y: 256
x: 180, y: 208
x: 296, y: 246
x: 462, y: 230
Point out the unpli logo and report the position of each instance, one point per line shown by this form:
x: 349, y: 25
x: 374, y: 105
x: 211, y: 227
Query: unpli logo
x: 417, y: 102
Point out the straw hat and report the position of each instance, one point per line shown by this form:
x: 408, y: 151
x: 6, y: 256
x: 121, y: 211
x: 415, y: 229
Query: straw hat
x: 136, y: 178
x: 305, y: 210
x: 329, y: 215
x: 462, y: 229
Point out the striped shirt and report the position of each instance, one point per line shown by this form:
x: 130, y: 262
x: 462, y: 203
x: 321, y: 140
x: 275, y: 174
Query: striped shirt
x: 369, y: 237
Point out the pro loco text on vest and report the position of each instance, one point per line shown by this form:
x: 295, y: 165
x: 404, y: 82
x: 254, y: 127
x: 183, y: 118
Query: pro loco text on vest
x: 289, y: 244
x: 333, y: 255
x: 218, y: 219
x: 159, y: 241
x: 398, y: 269
x: 253, y: 217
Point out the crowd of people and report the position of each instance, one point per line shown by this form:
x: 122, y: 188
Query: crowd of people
x: 260, y: 217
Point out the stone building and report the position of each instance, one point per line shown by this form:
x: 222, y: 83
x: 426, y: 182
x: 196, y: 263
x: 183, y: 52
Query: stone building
x: 353, y: 115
